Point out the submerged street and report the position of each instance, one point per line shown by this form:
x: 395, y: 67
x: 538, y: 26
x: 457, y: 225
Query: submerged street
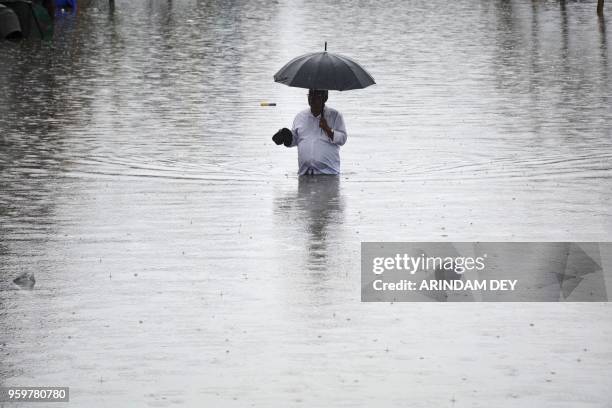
x: 180, y: 260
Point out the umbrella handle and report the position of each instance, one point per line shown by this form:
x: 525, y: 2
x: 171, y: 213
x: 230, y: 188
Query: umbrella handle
x: 323, y: 117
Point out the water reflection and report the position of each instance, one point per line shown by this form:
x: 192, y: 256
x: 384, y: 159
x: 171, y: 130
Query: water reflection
x: 317, y: 209
x: 603, y: 46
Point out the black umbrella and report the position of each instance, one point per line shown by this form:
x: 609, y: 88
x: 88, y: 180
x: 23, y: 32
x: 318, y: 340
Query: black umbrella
x: 324, y: 70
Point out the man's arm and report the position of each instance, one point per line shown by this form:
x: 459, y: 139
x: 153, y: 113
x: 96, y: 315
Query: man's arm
x: 339, y: 131
x: 294, y: 132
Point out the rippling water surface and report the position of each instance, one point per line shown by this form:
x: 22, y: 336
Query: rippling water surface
x: 179, y: 260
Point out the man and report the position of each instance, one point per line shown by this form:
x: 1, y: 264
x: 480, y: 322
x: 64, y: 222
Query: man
x: 318, y: 133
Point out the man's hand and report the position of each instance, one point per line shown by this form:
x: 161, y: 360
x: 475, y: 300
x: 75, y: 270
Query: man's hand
x: 323, y: 125
x: 283, y: 136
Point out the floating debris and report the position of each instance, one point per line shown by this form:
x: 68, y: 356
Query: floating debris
x: 25, y: 281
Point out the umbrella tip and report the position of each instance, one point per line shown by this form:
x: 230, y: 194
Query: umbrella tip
x: 325, y: 45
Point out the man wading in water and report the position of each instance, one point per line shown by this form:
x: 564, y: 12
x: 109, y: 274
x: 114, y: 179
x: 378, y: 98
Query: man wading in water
x: 318, y: 133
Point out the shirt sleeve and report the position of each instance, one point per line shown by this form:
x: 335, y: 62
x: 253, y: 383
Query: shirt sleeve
x: 294, y: 132
x: 339, y: 131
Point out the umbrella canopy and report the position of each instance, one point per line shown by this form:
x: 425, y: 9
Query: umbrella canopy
x: 324, y: 70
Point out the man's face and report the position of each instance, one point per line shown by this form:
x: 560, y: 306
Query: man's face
x: 316, y: 99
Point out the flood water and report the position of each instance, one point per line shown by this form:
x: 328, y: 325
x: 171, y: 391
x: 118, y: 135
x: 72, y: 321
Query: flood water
x: 179, y: 259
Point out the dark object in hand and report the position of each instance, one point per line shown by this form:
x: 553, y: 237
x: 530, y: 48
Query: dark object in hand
x: 283, y: 136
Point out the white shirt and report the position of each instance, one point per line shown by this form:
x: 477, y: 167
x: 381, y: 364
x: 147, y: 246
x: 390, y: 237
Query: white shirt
x: 317, y: 153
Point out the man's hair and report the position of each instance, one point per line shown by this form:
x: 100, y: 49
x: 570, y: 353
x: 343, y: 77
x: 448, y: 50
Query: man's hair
x: 322, y: 92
